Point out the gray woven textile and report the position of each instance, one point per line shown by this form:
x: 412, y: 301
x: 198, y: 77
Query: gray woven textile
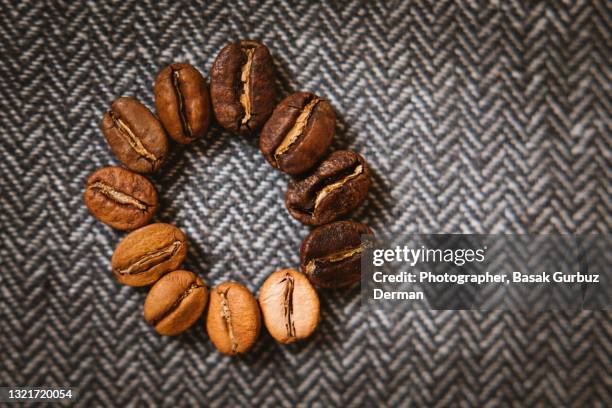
x: 484, y: 118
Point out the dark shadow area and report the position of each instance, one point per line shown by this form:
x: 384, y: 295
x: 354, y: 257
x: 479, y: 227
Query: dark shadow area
x: 342, y: 136
x: 378, y: 200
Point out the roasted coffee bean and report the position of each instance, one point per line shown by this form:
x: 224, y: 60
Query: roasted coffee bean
x: 182, y: 101
x: 289, y: 305
x: 298, y: 133
x: 331, y: 254
x: 175, y: 302
x: 145, y: 255
x: 120, y: 198
x: 233, y: 320
x: 242, y: 86
x: 336, y: 187
x: 134, y: 135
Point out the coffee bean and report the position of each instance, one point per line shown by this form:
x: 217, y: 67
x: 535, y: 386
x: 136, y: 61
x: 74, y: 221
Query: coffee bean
x: 134, y: 135
x: 145, y: 255
x: 182, y: 101
x: 331, y: 254
x: 242, y: 86
x: 298, y: 133
x: 289, y: 305
x: 120, y: 198
x: 175, y: 302
x: 336, y: 187
x: 233, y: 320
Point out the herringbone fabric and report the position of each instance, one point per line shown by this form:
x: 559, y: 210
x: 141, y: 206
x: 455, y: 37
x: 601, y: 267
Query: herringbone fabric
x: 484, y: 117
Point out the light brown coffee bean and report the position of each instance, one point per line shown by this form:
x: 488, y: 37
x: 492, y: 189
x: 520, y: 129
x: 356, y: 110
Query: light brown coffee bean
x: 135, y: 135
x: 298, y: 133
x: 175, y: 302
x: 331, y: 254
x: 120, y: 198
x: 145, y: 255
x: 182, y: 101
x: 289, y: 305
x: 233, y: 321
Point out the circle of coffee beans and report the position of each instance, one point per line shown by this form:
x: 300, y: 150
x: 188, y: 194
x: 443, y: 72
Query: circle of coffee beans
x: 294, y: 138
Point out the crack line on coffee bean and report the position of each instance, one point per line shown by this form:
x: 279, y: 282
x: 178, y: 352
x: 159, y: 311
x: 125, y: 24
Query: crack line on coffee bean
x: 151, y: 259
x: 298, y: 128
x: 118, y: 196
x: 134, y: 142
x: 181, y: 103
x: 245, y: 76
x: 332, y: 258
x: 193, y: 286
x: 325, y: 191
x: 288, y: 305
x: 227, y: 317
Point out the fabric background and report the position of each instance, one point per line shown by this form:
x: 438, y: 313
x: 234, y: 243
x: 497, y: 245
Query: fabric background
x: 476, y: 117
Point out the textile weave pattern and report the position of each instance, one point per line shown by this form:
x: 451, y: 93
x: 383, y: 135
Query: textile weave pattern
x: 476, y: 117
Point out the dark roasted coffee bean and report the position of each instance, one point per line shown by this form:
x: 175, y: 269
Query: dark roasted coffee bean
x: 134, y: 135
x: 175, y: 302
x: 233, y: 321
x: 331, y: 254
x: 242, y: 86
x: 289, y: 305
x: 298, y: 133
x: 337, y: 186
x: 182, y: 101
x: 145, y: 255
x: 120, y: 198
